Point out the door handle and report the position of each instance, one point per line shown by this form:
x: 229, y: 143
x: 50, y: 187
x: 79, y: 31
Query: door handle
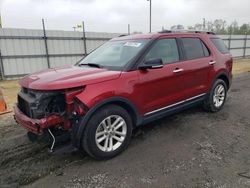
x: 212, y: 62
x: 178, y: 70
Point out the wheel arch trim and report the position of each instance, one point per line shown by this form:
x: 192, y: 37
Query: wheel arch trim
x: 222, y: 74
x: 137, y: 119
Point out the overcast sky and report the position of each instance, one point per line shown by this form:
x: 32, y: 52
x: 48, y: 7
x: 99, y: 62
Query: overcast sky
x: 114, y: 15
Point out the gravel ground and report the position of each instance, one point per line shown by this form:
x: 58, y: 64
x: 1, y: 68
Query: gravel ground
x: 190, y: 149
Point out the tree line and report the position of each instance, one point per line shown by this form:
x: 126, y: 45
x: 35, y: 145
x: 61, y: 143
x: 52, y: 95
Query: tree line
x: 219, y: 26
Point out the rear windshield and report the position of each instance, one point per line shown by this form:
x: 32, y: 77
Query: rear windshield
x: 220, y: 45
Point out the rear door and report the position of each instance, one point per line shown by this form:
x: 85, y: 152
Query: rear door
x: 197, y: 64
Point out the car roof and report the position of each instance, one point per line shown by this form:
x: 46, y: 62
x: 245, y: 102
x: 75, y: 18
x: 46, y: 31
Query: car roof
x: 163, y: 34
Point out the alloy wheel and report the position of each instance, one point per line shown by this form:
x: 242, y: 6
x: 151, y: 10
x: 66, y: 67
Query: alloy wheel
x: 111, y: 133
x: 219, y: 95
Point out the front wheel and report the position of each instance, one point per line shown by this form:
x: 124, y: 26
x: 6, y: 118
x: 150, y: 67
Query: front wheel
x: 217, y: 96
x: 107, y: 133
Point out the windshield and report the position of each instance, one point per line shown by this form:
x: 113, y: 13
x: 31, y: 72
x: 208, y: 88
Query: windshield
x: 114, y: 53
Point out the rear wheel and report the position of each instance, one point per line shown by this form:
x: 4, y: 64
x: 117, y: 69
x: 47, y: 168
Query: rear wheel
x: 107, y: 133
x: 217, y: 96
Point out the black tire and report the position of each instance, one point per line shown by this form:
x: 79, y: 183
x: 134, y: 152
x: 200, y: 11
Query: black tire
x: 88, y: 140
x: 209, y: 104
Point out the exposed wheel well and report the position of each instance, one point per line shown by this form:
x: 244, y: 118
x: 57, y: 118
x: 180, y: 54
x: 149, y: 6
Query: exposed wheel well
x: 225, y: 79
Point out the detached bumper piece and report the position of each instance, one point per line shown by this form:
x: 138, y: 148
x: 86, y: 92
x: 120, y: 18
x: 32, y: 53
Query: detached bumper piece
x: 36, y: 126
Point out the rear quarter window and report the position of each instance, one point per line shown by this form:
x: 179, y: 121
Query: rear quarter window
x: 220, y: 45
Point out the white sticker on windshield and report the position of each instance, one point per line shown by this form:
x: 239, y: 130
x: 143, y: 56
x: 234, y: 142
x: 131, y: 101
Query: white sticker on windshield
x: 133, y: 44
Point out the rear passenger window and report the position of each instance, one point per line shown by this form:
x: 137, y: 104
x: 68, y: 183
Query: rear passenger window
x: 194, y: 48
x: 220, y: 45
x: 165, y: 49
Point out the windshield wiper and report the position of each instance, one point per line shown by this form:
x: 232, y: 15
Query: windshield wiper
x: 91, y: 65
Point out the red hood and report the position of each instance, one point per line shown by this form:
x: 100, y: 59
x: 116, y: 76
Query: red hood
x: 67, y: 77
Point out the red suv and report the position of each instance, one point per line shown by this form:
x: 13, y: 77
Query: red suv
x: 128, y: 81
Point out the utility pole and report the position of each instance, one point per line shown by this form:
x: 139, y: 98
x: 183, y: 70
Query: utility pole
x: 84, y: 38
x: 204, y: 23
x: 150, y: 10
x: 128, y: 29
x: 1, y: 26
x: 46, y: 44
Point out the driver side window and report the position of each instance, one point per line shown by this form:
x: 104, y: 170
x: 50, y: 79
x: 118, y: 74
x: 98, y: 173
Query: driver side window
x: 165, y: 49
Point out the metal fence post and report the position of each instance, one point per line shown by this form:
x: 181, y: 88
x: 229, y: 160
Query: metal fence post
x: 245, y: 46
x: 1, y: 67
x: 128, y: 29
x: 229, y: 39
x: 84, y: 39
x: 45, y: 43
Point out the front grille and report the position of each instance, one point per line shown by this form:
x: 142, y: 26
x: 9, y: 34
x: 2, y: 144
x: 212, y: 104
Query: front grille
x: 24, y: 106
x: 24, y: 90
x: 38, y: 104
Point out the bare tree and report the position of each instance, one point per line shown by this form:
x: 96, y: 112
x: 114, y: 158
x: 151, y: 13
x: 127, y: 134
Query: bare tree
x: 219, y: 25
x: 198, y: 26
x: 177, y: 27
x: 210, y: 26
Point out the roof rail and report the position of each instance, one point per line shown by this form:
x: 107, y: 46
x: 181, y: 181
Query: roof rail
x: 187, y: 31
x: 122, y: 35
x: 165, y: 31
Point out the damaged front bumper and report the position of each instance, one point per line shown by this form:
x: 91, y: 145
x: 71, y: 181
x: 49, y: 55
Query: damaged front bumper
x: 36, y: 126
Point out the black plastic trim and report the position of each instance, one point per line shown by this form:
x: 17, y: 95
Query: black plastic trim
x: 81, y: 104
x: 173, y: 110
x: 180, y: 48
x: 226, y: 75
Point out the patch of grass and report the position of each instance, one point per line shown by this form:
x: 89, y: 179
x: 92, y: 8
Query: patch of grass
x: 10, y: 90
x: 241, y: 66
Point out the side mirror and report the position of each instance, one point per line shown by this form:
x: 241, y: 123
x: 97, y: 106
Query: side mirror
x: 152, y: 64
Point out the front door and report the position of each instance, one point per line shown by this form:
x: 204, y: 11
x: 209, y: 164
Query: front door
x: 163, y: 87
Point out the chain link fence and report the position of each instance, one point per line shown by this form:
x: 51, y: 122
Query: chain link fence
x: 239, y: 45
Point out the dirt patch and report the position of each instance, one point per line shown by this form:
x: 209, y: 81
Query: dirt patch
x: 21, y: 161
